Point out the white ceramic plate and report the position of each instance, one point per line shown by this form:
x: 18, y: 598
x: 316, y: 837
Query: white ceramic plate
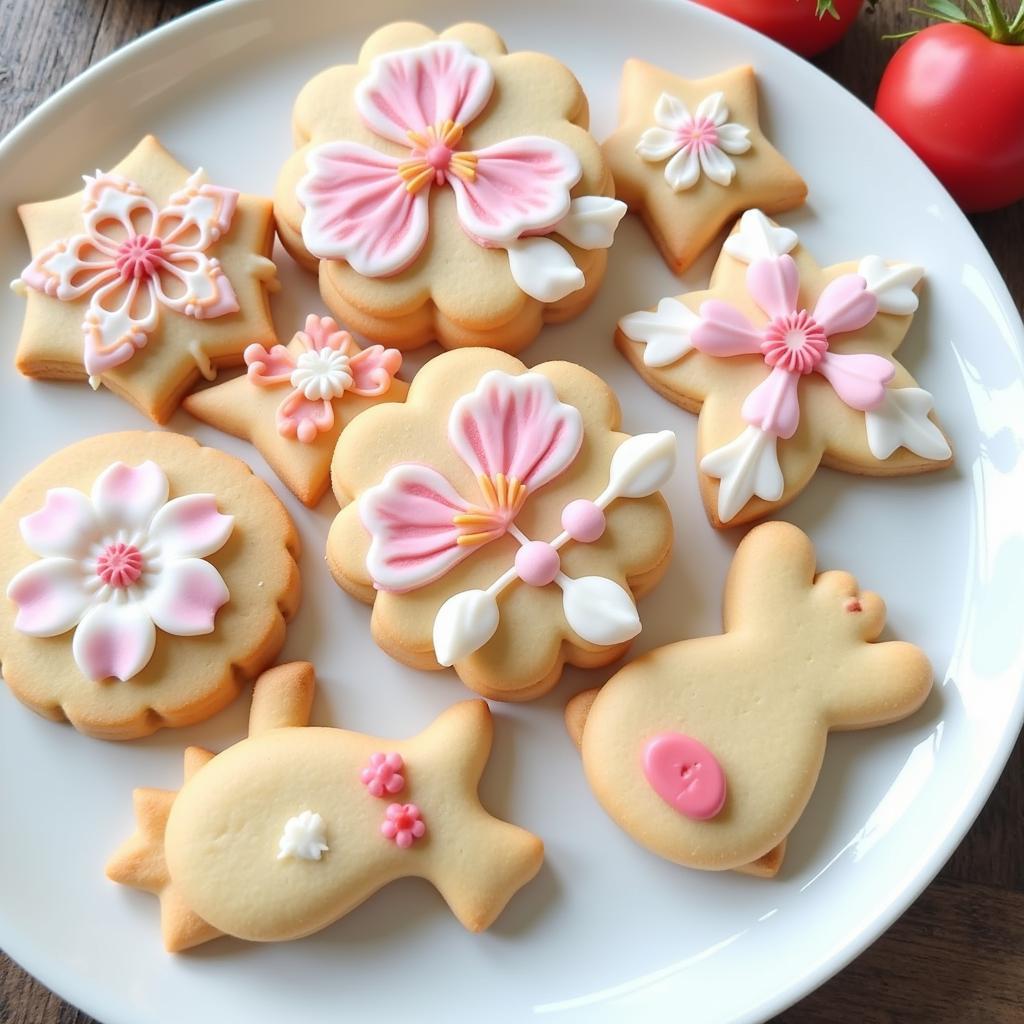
x: 607, y: 931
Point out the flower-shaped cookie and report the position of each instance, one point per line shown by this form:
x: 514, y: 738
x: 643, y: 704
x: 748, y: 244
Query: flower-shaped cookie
x: 499, y: 523
x: 145, y: 280
x: 447, y: 190
x: 791, y: 366
x: 145, y: 580
x: 296, y: 399
x: 689, y: 155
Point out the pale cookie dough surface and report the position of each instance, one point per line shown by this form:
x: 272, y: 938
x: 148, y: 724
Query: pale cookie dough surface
x: 216, y: 853
x: 797, y: 659
x: 525, y: 656
x: 187, y: 678
x: 181, y: 349
x: 684, y: 223
x: 456, y: 291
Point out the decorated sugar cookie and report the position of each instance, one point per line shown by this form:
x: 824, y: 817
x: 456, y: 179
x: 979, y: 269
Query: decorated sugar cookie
x: 689, y: 155
x: 295, y: 400
x: 287, y: 831
x: 706, y: 751
x: 147, y: 279
x: 499, y: 523
x: 791, y: 366
x: 146, y: 580
x: 447, y: 189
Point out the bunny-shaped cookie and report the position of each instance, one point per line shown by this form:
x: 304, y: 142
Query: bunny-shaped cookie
x: 706, y: 751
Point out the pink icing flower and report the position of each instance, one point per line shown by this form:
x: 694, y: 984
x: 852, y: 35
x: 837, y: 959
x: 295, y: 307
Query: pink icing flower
x: 795, y: 342
x: 514, y: 435
x: 135, y: 257
x: 403, y: 825
x: 383, y: 775
x: 372, y: 209
x: 329, y: 366
x: 119, y: 563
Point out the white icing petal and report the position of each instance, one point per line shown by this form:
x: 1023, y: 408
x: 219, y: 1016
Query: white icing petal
x: 683, y: 170
x: 544, y: 269
x: 190, y: 527
x: 892, y: 284
x: 50, y: 595
x: 126, y: 497
x: 186, y: 596
x: 745, y: 467
x: 666, y: 333
x: 464, y: 623
x: 641, y: 465
x: 733, y: 138
x: 65, y: 525
x: 901, y: 421
x: 598, y: 610
x: 713, y: 108
x: 670, y: 112
x: 657, y: 144
x: 304, y: 837
x: 716, y: 165
x: 591, y: 221
x: 759, y: 239
x: 114, y: 640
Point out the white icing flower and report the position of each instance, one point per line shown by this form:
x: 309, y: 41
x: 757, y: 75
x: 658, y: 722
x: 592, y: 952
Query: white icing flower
x: 117, y: 564
x: 322, y: 374
x: 693, y: 142
x: 304, y: 837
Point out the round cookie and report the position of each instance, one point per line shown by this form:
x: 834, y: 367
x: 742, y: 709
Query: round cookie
x: 147, y: 580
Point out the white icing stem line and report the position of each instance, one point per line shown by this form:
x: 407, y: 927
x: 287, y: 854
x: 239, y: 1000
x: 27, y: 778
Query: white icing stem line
x: 506, y: 578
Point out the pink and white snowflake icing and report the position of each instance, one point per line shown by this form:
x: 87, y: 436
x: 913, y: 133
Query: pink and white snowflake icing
x: 119, y: 563
x: 134, y: 259
x: 383, y: 775
x: 329, y: 366
x: 516, y: 436
x: 372, y: 209
x: 403, y: 825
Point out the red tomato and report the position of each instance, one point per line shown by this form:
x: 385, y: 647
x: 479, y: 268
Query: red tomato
x: 957, y: 99
x: 794, y: 23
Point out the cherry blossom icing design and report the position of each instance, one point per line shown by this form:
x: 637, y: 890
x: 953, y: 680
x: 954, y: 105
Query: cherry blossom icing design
x: 403, y: 825
x: 330, y: 365
x: 383, y: 775
x: 693, y: 143
x: 119, y: 563
x: 134, y: 258
x: 372, y: 209
x: 515, y: 435
x: 794, y: 342
x: 304, y: 837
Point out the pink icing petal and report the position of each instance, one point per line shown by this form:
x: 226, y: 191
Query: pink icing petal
x: 358, y: 209
x: 127, y: 497
x: 304, y: 418
x: 116, y: 208
x: 65, y: 525
x: 117, y: 323
x: 409, y: 516
x: 193, y: 283
x: 724, y: 331
x: 269, y: 366
x: 114, y: 641
x: 186, y: 596
x: 50, y: 595
x: 774, y: 285
x: 197, y: 215
x: 845, y: 305
x: 520, y: 186
x: 70, y: 268
x: 515, y: 426
x: 322, y: 332
x: 859, y: 379
x: 190, y: 527
x: 774, y: 405
x: 373, y: 369
x: 409, y: 90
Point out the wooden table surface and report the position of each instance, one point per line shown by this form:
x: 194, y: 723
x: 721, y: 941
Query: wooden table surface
x: 957, y: 955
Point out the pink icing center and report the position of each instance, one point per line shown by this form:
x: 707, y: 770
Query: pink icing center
x: 700, y: 132
x: 537, y: 563
x: 403, y: 825
x: 685, y: 774
x: 119, y: 565
x: 139, y: 257
x: 795, y: 342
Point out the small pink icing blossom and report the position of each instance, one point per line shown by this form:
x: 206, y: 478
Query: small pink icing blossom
x: 403, y: 825
x: 383, y: 775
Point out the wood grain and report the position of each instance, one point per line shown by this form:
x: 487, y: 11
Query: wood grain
x: 957, y: 955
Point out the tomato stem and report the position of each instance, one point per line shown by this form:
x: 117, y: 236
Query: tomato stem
x: 999, y: 31
x: 992, y: 20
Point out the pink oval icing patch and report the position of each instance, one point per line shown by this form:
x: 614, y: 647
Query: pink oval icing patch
x: 685, y: 774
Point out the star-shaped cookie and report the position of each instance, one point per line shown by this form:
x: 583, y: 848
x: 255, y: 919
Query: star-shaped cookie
x: 689, y: 155
x: 148, y: 278
x: 290, y: 829
x: 790, y: 365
